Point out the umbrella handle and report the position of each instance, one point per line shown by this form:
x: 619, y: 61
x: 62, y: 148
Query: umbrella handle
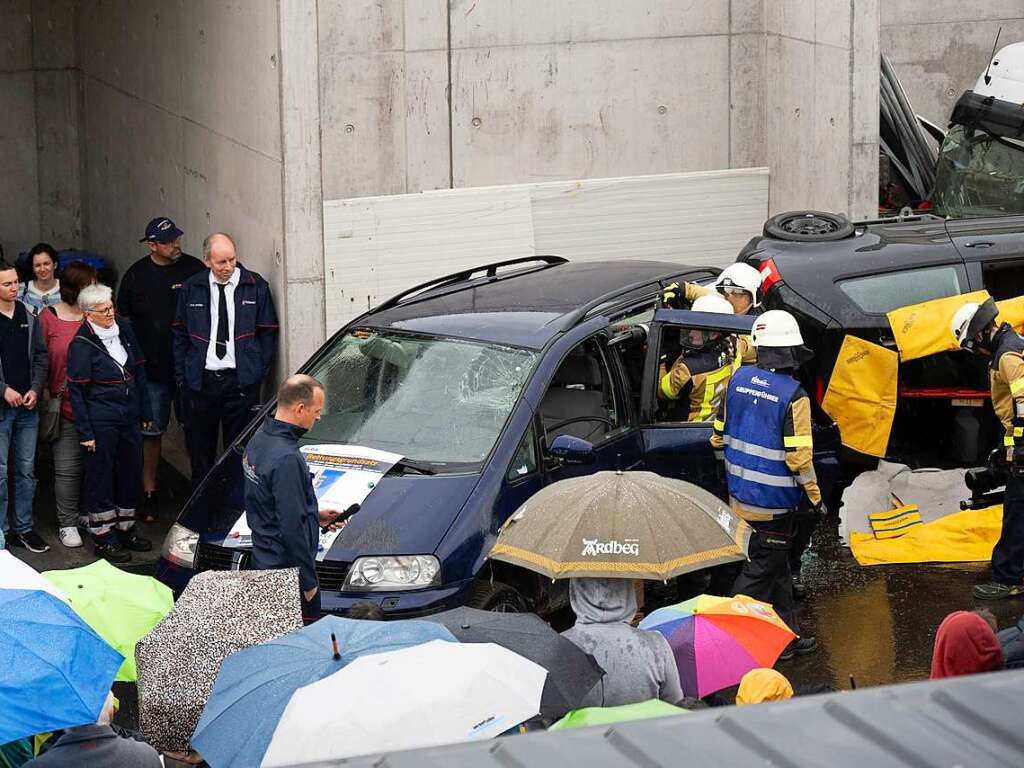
x: 334, y: 647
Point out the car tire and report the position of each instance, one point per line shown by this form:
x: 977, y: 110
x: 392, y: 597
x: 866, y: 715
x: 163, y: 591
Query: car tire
x: 808, y: 226
x: 495, y: 596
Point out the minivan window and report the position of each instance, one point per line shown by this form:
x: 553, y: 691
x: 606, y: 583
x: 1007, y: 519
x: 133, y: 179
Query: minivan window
x: 878, y: 294
x: 438, y: 401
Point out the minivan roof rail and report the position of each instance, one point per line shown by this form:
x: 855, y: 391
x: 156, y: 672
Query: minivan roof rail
x: 583, y: 312
x: 489, y: 270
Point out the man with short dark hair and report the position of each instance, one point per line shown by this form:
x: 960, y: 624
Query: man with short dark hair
x: 148, y: 296
x: 225, y: 331
x: 280, y: 503
x: 23, y: 366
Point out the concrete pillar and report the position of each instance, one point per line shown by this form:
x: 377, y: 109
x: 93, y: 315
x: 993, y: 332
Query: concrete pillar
x: 301, y: 183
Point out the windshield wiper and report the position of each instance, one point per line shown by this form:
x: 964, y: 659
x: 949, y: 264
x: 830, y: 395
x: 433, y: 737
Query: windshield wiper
x: 419, y: 467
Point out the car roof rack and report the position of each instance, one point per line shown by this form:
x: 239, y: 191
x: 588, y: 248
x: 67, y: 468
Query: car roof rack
x: 899, y: 219
x: 489, y: 270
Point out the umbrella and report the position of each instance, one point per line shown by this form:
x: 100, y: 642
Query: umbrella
x: 643, y: 710
x: 717, y: 640
x: 625, y: 525
x: 219, y: 613
x: 571, y: 672
x: 55, y: 671
x: 254, y: 685
x: 436, y: 693
x: 15, y: 574
x: 120, y: 606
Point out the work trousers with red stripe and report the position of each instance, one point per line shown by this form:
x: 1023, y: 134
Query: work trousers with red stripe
x: 113, y: 478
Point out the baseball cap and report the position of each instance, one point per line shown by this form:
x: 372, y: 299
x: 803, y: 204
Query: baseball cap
x: 161, y: 230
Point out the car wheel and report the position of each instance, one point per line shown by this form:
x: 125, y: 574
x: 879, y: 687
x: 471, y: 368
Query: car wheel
x: 808, y: 226
x: 497, y: 597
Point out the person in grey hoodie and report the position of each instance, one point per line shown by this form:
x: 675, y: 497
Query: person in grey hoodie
x: 638, y: 664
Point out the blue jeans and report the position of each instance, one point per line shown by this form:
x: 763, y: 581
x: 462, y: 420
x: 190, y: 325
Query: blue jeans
x: 18, y: 430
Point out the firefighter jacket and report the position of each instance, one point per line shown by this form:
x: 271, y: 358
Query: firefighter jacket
x: 764, y: 427
x: 700, y: 376
x: 1007, y: 381
x: 681, y: 296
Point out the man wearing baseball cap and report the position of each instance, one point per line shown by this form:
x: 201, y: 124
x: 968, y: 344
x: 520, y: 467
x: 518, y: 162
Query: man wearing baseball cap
x: 148, y: 296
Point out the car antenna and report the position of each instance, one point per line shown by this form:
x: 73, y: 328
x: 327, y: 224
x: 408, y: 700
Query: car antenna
x: 988, y: 77
x: 334, y: 647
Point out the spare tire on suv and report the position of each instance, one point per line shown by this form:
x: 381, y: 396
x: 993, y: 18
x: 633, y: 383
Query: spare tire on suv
x: 808, y: 226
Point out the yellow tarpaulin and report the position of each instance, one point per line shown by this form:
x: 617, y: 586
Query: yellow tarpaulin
x: 923, y: 329
x: 962, y: 537
x: 861, y: 395
x: 1012, y: 311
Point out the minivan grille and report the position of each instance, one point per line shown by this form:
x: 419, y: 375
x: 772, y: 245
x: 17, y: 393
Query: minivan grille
x: 213, y: 557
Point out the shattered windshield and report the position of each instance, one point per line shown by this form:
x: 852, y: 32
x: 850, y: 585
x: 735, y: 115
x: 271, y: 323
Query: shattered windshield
x: 436, y: 401
x: 978, y: 175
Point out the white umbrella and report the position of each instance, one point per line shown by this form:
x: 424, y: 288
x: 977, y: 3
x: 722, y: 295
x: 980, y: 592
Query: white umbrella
x: 435, y: 693
x: 14, y: 574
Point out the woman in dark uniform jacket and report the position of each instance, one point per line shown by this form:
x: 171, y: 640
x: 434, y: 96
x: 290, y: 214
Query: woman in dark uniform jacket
x: 110, y: 403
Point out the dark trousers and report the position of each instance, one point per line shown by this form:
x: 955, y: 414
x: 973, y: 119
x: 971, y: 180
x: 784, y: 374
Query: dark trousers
x: 311, y: 610
x: 113, y: 478
x: 1008, y: 554
x: 766, y: 576
x: 221, y: 407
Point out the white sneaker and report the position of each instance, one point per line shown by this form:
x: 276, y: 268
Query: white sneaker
x: 69, y: 537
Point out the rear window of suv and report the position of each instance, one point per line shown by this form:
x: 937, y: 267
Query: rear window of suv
x: 878, y: 294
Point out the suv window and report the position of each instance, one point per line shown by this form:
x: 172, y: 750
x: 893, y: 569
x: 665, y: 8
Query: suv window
x: 1003, y: 279
x: 878, y: 294
x: 581, y: 393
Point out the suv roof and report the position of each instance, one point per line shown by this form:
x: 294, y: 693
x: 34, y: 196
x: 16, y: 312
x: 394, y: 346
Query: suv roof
x: 527, y: 306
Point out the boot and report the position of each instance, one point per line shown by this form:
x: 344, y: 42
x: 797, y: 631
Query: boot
x: 803, y: 646
x: 108, y: 548
x: 131, y: 540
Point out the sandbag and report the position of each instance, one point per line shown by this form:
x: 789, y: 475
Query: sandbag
x: 861, y: 395
x: 923, y: 329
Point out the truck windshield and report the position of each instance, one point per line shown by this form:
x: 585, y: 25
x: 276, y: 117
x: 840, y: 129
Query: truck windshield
x: 435, y: 401
x: 978, y: 174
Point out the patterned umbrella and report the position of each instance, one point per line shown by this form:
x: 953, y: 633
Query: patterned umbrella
x: 219, y: 612
x: 626, y: 525
x: 717, y: 640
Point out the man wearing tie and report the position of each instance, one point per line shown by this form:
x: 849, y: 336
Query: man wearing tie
x: 225, y: 329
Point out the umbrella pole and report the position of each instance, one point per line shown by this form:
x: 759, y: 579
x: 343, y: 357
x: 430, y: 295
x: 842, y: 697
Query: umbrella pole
x: 334, y: 647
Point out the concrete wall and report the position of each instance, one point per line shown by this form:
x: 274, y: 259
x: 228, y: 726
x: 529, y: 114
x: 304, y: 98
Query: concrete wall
x: 941, y: 51
x: 596, y: 88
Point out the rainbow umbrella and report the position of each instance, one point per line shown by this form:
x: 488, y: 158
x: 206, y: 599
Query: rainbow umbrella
x: 717, y: 640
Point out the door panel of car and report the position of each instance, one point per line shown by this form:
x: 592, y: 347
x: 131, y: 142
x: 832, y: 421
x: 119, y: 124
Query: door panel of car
x: 988, y: 238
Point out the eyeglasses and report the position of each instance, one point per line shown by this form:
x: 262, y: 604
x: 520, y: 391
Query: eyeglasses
x: 102, y: 311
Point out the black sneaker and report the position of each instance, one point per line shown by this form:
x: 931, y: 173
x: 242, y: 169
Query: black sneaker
x: 803, y: 646
x: 109, y: 549
x: 131, y: 540
x: 31, y: 541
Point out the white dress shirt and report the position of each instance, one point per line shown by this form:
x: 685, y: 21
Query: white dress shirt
x: 214, y: 363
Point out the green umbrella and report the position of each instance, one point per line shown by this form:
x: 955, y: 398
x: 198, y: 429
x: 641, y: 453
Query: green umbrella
x: 643, y: 710
x: 120, y: 606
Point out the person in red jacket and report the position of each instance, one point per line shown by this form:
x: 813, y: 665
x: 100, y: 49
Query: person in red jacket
x: 965, y: 645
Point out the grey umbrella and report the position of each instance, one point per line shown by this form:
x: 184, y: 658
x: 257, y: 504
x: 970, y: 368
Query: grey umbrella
x: 571, y: 672
x: 219, y: 612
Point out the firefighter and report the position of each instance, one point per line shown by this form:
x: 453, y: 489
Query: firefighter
x: 763, y: 433
x: 739, y: 284
x: 701, y: 372
x: 976, y: 330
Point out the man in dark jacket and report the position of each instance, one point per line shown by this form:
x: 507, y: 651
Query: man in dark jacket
x: 225, y: 330
x: 280, y: 503
x: 23, y: 366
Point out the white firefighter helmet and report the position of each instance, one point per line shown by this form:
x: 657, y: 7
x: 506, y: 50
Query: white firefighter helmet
x: 971, y: 319
x: 712, y: 303
x: 776, y: 328
x: 741, y: 276
x: 1005, y: 75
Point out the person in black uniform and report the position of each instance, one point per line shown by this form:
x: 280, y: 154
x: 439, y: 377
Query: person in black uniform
x: 148, y: 296
x: 280, y: 503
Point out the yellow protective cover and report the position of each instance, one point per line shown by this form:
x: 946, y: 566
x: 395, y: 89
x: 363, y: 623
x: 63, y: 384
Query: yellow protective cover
x: 1012, y: 311
x: 861, y: 395
x: 923, y: 329
x: 962, y: 537
x: 894, y: 523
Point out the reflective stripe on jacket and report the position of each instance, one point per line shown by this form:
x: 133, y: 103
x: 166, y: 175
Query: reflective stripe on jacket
x: 703, y: 376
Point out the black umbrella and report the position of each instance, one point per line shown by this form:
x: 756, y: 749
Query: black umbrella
x: 571, y: 672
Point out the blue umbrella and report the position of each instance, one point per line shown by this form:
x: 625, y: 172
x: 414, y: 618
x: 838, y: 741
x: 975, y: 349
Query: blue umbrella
x: 255, y: 684
x: 55, y: 671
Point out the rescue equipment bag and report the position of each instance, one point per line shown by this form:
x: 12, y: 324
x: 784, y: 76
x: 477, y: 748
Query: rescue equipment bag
x: 923, y: 329
x: 861, y: 395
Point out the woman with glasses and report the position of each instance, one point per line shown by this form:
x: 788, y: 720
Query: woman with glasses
x: 110, y: 403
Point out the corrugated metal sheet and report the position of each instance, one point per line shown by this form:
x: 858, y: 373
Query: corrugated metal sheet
x: 375, y: 247
x: 973, y: 722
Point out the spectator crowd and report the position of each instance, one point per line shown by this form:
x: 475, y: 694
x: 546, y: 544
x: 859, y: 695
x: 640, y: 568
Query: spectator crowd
x: 96, y: 377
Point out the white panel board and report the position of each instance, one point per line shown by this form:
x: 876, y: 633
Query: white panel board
x: 375, y: 247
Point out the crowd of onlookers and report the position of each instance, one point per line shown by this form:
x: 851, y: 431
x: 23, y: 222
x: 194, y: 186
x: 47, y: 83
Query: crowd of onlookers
x: 96, y: 377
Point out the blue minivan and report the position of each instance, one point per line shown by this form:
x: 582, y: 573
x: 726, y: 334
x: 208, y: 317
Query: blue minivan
x: 491, y: 383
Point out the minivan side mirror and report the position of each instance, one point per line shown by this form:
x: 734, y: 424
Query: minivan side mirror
x: 571, y: 450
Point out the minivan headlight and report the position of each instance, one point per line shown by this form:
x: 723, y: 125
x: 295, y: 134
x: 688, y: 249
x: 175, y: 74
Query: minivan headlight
x: 180, y: 546
x: 392, y: 573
